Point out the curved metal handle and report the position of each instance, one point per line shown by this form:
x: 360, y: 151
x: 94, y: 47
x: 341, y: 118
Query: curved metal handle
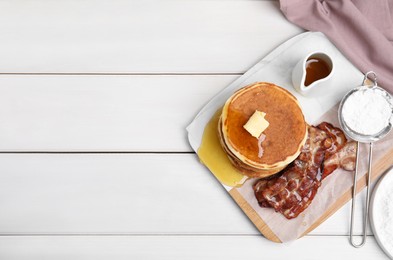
x: 365, y: 217
x: 366, y: 77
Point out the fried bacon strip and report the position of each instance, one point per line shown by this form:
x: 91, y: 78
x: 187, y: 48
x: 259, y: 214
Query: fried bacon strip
x: 294, y: 190
x: 338, y: 142
x: 325, y: 150
x: 337, y: 137
x: 345, y: 159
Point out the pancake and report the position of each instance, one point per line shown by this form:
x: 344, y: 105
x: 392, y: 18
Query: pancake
x: 247, y: 170
x: 285, y: 135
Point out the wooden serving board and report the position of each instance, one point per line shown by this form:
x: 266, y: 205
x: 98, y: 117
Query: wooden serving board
x: 378, y: 169
x: 336, y: 190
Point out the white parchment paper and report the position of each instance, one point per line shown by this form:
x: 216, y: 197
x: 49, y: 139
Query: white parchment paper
x: 277, y: 68
x: 332, y: 188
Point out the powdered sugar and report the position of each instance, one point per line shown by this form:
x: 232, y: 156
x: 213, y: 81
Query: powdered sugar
x: 367, y: 111
x: 382, y: 213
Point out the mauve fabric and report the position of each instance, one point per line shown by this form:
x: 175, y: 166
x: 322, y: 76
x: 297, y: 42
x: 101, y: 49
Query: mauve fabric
x: 361, y: 29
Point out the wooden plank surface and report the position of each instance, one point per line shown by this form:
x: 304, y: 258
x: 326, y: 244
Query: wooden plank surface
x: 181, y: 247
x: 168, y: 58
x: 123, y: 194
x: 101, y: 113
x: 121, y: 36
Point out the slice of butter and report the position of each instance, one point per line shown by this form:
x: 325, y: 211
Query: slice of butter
x: 256, y: 124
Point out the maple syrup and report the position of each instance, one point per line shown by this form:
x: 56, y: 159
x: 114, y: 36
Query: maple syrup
x: 215, y: 158
x: 316, y: 69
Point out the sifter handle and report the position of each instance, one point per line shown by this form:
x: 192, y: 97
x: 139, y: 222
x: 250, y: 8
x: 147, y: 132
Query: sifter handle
x: 365, y: 217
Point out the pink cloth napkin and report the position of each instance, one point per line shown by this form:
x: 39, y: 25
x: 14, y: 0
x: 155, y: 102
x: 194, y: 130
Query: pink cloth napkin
x: 361, y: 29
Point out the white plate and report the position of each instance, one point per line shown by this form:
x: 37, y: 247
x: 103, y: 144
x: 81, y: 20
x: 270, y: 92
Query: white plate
x: 380, y: 209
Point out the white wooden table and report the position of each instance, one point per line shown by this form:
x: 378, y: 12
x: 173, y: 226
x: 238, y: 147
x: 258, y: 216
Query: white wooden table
x: 94, y: 99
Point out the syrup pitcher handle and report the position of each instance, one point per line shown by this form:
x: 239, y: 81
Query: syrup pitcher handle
x: 373, y: 79
x: 365, y: 217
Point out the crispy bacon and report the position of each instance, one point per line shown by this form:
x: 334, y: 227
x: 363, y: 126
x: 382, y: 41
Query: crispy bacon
x: 259, y: 187
x: 338, y: 140
x: 345, y: 159
x: 292, y: 191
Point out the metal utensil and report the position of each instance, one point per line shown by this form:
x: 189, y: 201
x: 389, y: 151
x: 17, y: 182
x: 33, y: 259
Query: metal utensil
x: 361, y: 138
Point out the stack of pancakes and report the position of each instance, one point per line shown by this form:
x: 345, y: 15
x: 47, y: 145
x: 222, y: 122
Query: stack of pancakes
x: 285, y: 135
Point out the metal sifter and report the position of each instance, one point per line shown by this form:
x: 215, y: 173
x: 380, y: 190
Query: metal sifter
x: 364, y: 138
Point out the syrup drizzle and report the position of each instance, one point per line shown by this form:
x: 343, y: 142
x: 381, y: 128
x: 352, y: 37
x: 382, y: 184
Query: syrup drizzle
x: 215, y: 158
